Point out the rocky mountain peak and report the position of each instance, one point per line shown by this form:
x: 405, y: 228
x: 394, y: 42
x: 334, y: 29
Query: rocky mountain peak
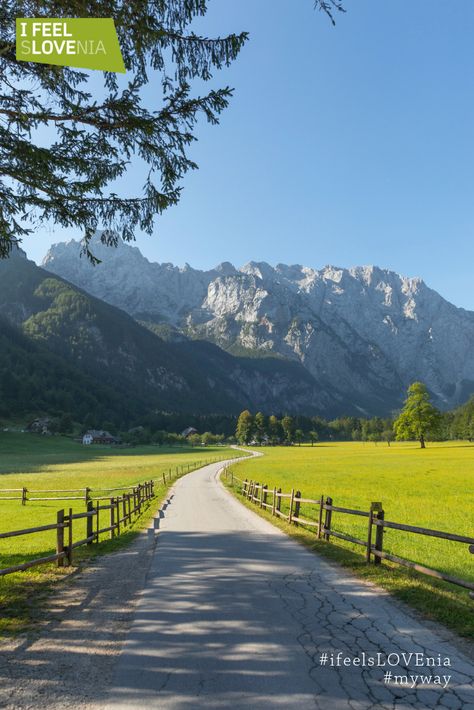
x: 365, y: 332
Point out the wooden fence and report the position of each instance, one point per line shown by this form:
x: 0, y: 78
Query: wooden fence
x: 270, y: 499
x: 86, y: 494
x: 121, y: 510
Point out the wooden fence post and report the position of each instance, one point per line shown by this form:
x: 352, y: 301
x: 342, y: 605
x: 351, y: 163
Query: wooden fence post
x: 117, y: 522
x: 261, y: 495
x: 69, y: 538
x: 60, y: 537
x: 290, y: 514
x: 320, y: 516
x: 23, y: 496
x: 129, y: 508
x: 164, y: 478
x: 139, y: 498
x: 244, y: 487
x: 274, y: 500
x: 296, y: 514
x: 328, y: 518
x: 90, y: 521
x: 97, y: 504
x: 380, y: 515
x: 471, y: 550
x: 112, y: 518
x: 278, y: 504
x: 374, y: 507
x: 134, y: 492
x: 265, y: 495
x: 124, y: 508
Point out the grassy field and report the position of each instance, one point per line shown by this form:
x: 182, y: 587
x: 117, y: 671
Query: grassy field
x: 59, y: 463
x: 432, y: 488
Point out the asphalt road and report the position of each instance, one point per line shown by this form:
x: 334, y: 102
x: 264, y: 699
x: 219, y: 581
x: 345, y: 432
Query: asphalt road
x: 236, y: 615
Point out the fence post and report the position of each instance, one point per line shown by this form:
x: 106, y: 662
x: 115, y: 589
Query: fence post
x: 261, y: 495
x: 124, y: 508
x: 278, y: 505
x: 380, y: 515
x: 374, y: 507
x: 69, y: 538
x: 97, y: 504
x: 471, y: 550
x: 320, y: 516
x: 328, y: 518
x: 23, y: 496
x: 244, y: 488
x: 117, y: 522
x: 164, y: 478
x: 90, y: 521
x: 60, y: 537
x: 274, y: 500
x: 290, y: 514
x: 264, y: 495
x: 296, y: 514
x: 134, y: 493
x: 112, y: 518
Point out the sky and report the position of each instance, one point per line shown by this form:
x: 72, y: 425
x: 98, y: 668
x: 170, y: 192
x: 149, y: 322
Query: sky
x: 346, y: 145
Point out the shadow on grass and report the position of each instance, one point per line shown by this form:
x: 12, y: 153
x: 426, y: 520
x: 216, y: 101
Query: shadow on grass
x: 30, y: 453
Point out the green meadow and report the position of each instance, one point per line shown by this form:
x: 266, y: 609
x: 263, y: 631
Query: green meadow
x: 48, y: 463
x: 432, y: 488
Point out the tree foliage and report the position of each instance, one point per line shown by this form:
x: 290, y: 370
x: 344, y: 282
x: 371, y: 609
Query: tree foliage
x: 244, y: 430
x: 64, y: 144
x: 418, y: 416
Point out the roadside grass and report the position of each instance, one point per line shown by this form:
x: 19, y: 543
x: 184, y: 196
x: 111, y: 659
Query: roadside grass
x: 431, y: 488
x: 59, y: 463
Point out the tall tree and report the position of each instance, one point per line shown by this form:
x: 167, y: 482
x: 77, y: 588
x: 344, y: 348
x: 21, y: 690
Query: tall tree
x: 71, y: 176
x: 62, y: 149
x: 418, y: 416
x: 260, y: 425
x: 244, y: 430
x: 274, y: 429
x: 299, y: 436
x: 288, y: 427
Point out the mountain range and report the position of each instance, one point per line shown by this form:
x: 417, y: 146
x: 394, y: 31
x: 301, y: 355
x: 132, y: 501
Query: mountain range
x: 62, y: 349
x: 359, y: 336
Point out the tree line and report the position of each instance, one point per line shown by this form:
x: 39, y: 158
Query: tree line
x: 418, y: 420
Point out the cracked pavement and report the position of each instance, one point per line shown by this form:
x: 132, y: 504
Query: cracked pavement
x: 235, y: 614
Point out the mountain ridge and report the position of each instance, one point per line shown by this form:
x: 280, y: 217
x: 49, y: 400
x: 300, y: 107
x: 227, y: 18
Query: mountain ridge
x: 126, y: 363
x: 364, y: 332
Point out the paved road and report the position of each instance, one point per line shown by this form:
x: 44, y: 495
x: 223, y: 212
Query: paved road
x: 236, y: 615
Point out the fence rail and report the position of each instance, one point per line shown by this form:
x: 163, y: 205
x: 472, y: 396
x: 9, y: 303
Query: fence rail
x: 88, y: 492
x: 270, y: 499
x: 121, y: 510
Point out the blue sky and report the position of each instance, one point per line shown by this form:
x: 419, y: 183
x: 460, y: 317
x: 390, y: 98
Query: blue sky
x: 348, y: 145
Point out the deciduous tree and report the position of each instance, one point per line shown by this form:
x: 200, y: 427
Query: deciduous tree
x: 418, y: 416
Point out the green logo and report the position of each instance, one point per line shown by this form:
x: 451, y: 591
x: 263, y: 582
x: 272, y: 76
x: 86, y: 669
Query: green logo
x: 90, y: 43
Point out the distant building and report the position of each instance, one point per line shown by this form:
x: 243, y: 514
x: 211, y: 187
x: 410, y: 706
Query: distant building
x: 189, y: 432
x: 40, y: 426
x: 99, y: 436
